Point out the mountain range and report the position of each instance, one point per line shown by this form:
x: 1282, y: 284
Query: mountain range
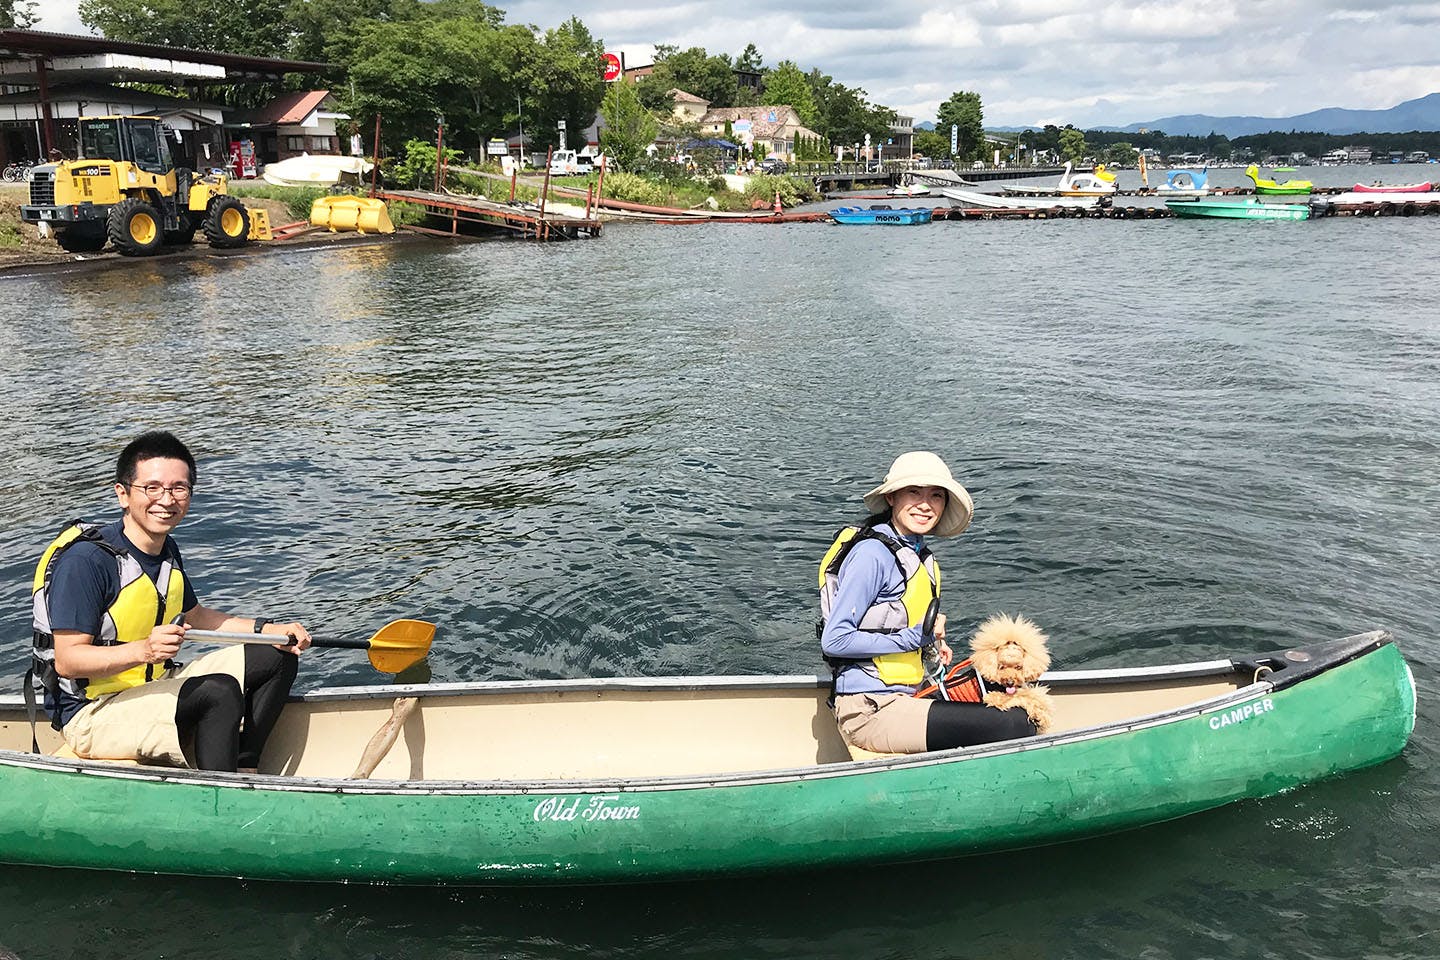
x: 1419, y: 114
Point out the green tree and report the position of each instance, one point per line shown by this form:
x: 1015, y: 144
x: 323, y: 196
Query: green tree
x: 570, y: 78
x: 255, y: 27
x: 1072, y: 145
x: 786, y: 85
x: 963, y: 111
x: 693, y: 71
x: 842, y: 113
x: 1121, y: 154
x: 749, y: 58
x: 629, y: 127
x: 321, y: 29
x: 932, y: 144
x: 21, y: 14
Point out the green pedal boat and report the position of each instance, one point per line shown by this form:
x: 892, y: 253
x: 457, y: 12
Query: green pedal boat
x: 618, y: 780
x: 1248, y: 209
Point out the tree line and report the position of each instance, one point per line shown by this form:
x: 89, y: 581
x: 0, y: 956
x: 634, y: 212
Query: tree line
x: 415, y: 62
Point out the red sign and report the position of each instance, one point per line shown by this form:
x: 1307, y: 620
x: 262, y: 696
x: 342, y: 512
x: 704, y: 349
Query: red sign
x: 612, y: 68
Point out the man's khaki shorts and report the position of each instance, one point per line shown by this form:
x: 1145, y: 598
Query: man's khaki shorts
x: 883, y: 722
x: 139, y: 723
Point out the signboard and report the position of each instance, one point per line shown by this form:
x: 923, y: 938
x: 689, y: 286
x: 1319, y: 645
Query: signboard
x: 497, y: 148
x: 744, y: 132
x: 613, y: 68
x: 954, y: 137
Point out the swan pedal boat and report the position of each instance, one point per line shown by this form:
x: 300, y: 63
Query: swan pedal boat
x: 1099, y: 183
x: 626, y: 780
x: 1289, y: 188
x: 1185, y: 183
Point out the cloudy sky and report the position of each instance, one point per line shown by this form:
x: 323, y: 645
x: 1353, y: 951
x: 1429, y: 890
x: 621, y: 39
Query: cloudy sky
x: 1086, y: 62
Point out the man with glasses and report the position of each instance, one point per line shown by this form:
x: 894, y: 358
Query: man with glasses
x: 111, y: 608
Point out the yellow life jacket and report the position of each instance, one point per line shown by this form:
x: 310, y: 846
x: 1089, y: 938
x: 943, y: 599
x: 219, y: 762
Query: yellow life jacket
x: 921, y: 573
x: 141, y: 605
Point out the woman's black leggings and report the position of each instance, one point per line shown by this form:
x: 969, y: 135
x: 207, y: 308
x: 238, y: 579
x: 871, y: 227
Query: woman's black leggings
x: 212, y: 706
x: 954, y: 723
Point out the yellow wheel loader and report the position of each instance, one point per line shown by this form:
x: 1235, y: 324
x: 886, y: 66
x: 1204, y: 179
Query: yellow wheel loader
x: 126, y: 190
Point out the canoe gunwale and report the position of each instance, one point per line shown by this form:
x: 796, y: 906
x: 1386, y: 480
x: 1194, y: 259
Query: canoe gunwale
x: 824, y: 771
x: 1297, y: 664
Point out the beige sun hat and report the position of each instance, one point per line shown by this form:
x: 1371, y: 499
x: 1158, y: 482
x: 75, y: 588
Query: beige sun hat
x: 920, y: 468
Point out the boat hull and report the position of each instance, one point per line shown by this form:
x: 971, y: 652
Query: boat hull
x: 1264, y: 738
x: 882, y: 216
x: 975, y: 200
x: 1238, y: 210
x: 1425, y: 187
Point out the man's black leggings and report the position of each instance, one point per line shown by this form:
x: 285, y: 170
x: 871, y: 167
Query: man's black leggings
x: 211, y: 707
x: 954, y: 723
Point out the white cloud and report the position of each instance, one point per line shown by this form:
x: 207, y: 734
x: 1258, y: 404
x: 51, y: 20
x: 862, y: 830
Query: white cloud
x: 1085, y: 62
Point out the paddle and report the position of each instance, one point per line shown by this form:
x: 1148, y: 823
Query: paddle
x: 394, y: 647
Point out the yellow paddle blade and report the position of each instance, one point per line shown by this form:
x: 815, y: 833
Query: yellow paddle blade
x: 400, y: 644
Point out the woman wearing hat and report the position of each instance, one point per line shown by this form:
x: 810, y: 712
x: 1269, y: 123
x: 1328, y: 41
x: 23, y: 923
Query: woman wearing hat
x: 876, y: 583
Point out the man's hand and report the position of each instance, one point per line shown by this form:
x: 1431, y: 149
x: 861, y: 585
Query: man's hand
x: 942, y: 650
x: 296, y: 630
x: 163, y: 643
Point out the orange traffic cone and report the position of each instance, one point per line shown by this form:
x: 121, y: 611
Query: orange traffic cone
x: 778, y: 208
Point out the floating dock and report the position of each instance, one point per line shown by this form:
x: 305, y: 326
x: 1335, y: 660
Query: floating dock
x: 464, y: 213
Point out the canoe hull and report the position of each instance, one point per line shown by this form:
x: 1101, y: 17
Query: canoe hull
x: 1255, y: 743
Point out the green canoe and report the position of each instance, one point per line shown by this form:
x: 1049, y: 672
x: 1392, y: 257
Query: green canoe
x: 1249, y: 209
x: 642, y: 779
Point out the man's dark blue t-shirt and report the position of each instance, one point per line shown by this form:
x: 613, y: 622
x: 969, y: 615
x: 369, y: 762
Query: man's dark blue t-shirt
x: 86, y: 579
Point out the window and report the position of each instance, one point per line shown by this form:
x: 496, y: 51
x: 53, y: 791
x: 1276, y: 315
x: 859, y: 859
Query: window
x: 146, y: 145
x: 295, y: 143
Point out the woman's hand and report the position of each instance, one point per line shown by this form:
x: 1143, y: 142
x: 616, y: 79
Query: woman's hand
x: 942, y: 650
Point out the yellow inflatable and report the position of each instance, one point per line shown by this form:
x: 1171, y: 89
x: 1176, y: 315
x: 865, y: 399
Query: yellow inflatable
x: 360, y: 214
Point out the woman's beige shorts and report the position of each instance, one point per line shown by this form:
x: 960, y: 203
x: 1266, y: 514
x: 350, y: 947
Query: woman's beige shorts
x: 139, y: 723
x: 883, y: 722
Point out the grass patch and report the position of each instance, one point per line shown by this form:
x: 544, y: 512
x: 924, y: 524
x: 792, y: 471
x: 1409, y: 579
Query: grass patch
x: 297, y: 200
x: 10, y: 235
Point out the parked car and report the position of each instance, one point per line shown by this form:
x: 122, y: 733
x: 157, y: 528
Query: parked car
x: 565, y: 163
x: 774, y: 166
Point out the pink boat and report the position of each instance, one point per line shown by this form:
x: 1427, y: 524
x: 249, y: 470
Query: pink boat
x: 1378, y: 187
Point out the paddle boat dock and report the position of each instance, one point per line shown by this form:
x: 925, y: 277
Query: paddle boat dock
x: 462, y: 215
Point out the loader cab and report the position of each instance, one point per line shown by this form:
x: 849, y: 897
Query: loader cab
x: 137, y: 140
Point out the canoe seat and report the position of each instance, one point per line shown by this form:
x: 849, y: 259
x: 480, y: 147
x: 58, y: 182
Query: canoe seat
x: 67, y: 752
x: 860, y: 753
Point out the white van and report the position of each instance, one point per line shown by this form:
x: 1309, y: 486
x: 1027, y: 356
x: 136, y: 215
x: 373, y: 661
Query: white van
x: 564, y: 163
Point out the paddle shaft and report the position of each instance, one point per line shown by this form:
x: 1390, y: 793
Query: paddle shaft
x: 229, y: 636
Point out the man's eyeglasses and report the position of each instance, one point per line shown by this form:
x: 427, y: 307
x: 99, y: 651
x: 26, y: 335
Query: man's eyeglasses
x: 180, y: 491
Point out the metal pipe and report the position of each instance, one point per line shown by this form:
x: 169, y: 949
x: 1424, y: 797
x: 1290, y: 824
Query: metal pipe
x: 375, y: 167
x: 544, y: 193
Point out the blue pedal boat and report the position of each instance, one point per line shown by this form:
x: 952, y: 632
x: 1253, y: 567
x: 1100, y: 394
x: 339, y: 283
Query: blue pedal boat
x: 880, y: 213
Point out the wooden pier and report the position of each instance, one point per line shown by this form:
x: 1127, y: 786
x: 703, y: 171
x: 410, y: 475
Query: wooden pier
x: 466, y: 214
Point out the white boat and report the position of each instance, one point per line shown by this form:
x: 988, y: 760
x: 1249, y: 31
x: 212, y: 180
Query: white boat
x: 911, y: 189
x: 1099, y: 183
x: 969, y: 198
x: 320, y: 170
x: 1184, y: 183
x: 1376, y: 197
x: 940, y: 177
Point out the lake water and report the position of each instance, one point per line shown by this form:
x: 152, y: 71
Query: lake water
x: 625, y: 456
